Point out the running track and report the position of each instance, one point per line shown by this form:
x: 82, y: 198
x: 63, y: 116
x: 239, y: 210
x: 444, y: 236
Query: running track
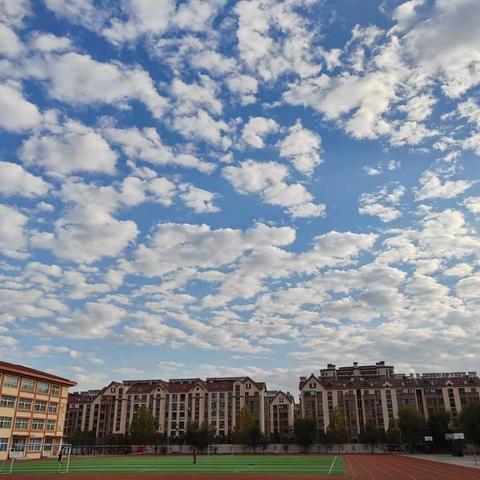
x: 357, y: 467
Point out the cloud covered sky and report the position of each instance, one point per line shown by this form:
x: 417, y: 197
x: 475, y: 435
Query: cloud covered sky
x: 218, y: 187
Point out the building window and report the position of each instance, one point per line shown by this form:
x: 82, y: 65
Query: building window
x: 10, y: 381
x: 51, y: 425
x: 27, y: 385
x: 43, y: 387
x: 248, y: 386
x: 3, y: 444
x: 55, y: 390
x: 40, y: 406
x: 313, y: 385
x: 24, y: 404
x: 34, y: 444
x: 37, y: 424
x: 47, y: 446
x: 21, y: 423
x: 53, y: 407
x: 7, y: 402
x: 5, y: 422
x: 280, y: 400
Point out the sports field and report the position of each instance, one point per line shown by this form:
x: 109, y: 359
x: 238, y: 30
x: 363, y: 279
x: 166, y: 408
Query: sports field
x: 249, y: 467
x: 207, y: 465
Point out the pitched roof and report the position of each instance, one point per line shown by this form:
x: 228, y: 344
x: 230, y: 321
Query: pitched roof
x: 31, y: 372
x: 141, y: 388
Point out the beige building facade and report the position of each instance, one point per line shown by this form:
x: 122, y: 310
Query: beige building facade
x: 33, y: 408
x: 374, y: 394
x: 175, y: 404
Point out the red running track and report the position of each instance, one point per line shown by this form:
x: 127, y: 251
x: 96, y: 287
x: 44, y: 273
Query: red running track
x: 397, y: 467
x: 357, y: 467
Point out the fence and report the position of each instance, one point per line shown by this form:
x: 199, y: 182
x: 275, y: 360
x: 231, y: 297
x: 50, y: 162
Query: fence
x: 229, y: 449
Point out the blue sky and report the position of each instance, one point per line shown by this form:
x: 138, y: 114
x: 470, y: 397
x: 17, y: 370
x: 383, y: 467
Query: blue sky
x: 238, y: 187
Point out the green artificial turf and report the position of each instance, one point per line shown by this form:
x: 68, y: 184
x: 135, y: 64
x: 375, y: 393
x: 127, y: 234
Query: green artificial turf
x: 221, y: 464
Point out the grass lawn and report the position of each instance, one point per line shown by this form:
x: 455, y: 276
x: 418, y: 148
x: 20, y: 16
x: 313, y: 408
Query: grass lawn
x: 221, y: 464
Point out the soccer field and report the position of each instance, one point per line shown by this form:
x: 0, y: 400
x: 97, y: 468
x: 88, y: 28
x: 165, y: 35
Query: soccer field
x: 206, y: 465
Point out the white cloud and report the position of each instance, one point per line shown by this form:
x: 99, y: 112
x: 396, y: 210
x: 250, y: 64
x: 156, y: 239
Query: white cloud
x: 128, y: 371
x: 245, y: 86
x: 194, y: 96
x: 75, y: 148
x: 12, y: 236
x: 473, y: 204
x: 143, y: 17
x: 81, y: 80
x: 147, y: 145
x: 432, y: 187
x: 256, y: 129
x: 419, y: 107
x: 459, y: 270
x: 85, y: 235
x: 447, y: 45
x: 202, y: 201
x: 82, y: 12
x: 14, y: 11
x: 47, y: 42
x: 203, y: 127
x: 196, y: 15
x: 268, y: 56
x: 176, y: 246
x: 96, y: 321
x: 302, y: 147
x: 10, y: 44
x: 6, y: 341
x: 382, y: 203
x: 268, y: 180
x: 16, y: 113
x: 17, y: 181
x: 470, y: 110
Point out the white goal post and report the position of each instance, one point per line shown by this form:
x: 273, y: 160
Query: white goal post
x: 66, y: 450
x: 12, y: 456
x: 220, y: 449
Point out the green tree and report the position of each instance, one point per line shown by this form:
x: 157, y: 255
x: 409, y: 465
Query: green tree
x: 245, y: 423
x: 81, y: 438
x: 143, y: 427
x: 438, y: 426
x: 370, y: 435
x: 255, y: 437
x: 470, y: 419
x: 336, y: 431
x: 305, y: 431
x: 411, y: 425
x: 201, y: 437
x: 393, y: 435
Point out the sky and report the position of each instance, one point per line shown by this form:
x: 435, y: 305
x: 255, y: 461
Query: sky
x: 217, y: 187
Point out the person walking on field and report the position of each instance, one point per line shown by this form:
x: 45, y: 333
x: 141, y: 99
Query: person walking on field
x: 194, y: 453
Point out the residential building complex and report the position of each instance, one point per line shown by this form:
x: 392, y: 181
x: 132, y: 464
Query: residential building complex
x: 363, y: 394
x: 178, y: 402
x: 32, y: 411
x: 374, y: 394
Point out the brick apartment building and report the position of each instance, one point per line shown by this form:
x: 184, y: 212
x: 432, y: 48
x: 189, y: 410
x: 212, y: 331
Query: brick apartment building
x: 178, y: 402
x: 362, y: 393
x: 32, y: 411
x: 374, y: 394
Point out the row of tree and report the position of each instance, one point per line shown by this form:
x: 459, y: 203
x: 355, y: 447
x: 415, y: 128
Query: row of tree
x: 410, y: 428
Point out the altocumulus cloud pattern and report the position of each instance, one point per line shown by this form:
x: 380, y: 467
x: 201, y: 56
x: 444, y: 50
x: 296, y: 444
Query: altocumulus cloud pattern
x: 219, y: 187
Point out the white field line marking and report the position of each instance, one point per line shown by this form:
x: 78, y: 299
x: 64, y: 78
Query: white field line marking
x: 331, y: 466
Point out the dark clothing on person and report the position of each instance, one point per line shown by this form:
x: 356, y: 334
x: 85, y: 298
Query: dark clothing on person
x: 194, y: 456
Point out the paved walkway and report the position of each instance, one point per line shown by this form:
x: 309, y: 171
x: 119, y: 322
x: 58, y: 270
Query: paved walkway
x: 465, y: 461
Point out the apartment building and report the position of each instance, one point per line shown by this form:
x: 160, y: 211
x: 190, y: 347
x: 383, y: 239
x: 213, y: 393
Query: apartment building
x: 32, y: 411
x: 281, y: 414
x: 174, y: 404
x: 374, y: 394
